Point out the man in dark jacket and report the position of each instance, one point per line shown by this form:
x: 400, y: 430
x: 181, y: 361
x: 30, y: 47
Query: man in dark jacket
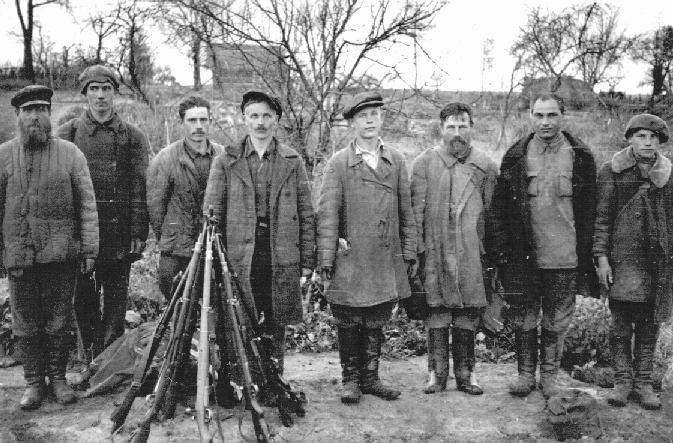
x: 176, y: 183
x: 259, y: 192
x: 540, y: 229
x: 366, y: 244
x: 117, y: 153
x: 632, y: 244
x: 49, y: 223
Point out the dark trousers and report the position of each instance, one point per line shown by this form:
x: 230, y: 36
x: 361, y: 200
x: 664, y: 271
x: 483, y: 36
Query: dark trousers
x: 99, y: 325
x: 633, y: 318
x: 261, y: 275
x: 169, y: 267
x: 40, y: 298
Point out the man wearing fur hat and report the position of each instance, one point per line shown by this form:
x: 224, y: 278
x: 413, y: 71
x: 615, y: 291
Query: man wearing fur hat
x: 49, y: 223
x: 633, y: 241
x: 117, y: 153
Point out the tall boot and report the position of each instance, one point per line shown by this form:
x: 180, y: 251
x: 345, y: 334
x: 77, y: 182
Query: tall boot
x: 463, y: 361
x: 33, y: 371
x: 279, y: 348
x: 526, y: 354
x: 622, y: 364
x: 370, y: 354
x: 349, y: 339
x: 644, y: 362
x: 438, y: 359
x: 58, y: 360
x: 551, y: 348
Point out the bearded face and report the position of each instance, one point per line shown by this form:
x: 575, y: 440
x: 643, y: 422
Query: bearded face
x: 457, y: 135
x: 34, y: 125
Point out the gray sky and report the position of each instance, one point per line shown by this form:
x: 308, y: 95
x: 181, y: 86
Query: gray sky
x: 455, y: 44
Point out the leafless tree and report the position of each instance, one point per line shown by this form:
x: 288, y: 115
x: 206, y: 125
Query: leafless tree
x: 104, y: 24
x: 657, y: 51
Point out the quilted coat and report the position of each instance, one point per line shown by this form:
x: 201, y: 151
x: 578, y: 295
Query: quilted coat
x: 49, y: 214
x: 174, y: 199
x: 231, y: 193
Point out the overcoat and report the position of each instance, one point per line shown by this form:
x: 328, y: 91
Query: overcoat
x: 449, y: 209
x: 371, y: 211
x: 231, y: 193
x: 509, y: 234
x: 634, y: 229
x: 174, y: 199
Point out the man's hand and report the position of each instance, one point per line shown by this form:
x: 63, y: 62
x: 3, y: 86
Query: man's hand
x: 412, y: 268
x: 327, y: 273
x: 137, y: 246
x: 87, y: 266
x: 604, y: 272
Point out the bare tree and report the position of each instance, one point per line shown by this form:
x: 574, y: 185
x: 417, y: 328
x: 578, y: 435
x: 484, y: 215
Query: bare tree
x: 104, y: 25
x: 657, y: 51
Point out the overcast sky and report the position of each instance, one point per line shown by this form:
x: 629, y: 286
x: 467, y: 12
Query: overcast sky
x: 455, y: 45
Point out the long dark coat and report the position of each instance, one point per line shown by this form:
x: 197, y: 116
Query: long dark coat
x: 453, y: 274
x: 371, y: 211
x: 634, y: 229
x: 509, y: 234
x: 231, y: 194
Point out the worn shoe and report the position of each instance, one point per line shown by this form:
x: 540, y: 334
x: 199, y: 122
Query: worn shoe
x: 522, y: 385
x: 32, y: 397
x: 351, y: 392
x: 377, y: 388
x: 526, y: 354
x: 58, y: 360
x: 63, y: 393
x: 619, y: 395
x: 550, y: 345
x: 647, y: 398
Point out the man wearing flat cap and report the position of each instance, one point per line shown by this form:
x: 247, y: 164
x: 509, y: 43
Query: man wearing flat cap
x: 633, y: 241
x: 117, y: 153
x: 259, y: 191
x: 366, y: 244
x: 539, y: 229
x: 49, y: 235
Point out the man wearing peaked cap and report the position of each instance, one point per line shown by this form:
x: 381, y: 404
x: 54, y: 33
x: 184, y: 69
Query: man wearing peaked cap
x: 366, y: 244
x: 49, y: 224
x: 261, y: 96
x: 118, y: 155
x: 633, y: 231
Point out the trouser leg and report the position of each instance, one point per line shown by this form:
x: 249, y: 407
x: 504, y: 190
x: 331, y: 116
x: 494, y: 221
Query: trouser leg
x: 621, y: 331
x: 349, y: 355
x: 87, y: 308
x: 32, y: 359
x: 463, y: 360
x: 114, y: 278
x: 646, y: 332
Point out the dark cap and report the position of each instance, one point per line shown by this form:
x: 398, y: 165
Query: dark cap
x: 32, y: 95
x: 270, y: 99
x: 649, y: 122
x: 361, y: 101
x: 99, y: 74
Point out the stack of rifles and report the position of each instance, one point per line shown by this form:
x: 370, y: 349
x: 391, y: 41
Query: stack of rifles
x: 235, y: 356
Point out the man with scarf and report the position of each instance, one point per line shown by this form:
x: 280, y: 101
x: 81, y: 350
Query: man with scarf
x: 632, y: 245
x: 451, y: 185
x: 49, y: 235
x: 540, y: 230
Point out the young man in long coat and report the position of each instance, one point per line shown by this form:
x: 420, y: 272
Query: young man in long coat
x: 540, y: 229
x: 117, y: 153
x: 176, y: 185
x: 451, y: 186
x: 366, y: 242
x: 49, y: 225
x: 633, y: 241
x: 259, y: 192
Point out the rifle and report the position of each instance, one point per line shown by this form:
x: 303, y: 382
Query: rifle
x: 202, y: 391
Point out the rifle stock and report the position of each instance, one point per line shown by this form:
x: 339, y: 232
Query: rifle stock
x: 202, y: 391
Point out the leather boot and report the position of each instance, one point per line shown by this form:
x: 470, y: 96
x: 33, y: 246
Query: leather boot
x: 438, y: 359
x: 279, y: 347
x: 526, y: 354
x: 33, y: 371
x: 370, y: 353
x: 644, y: 363
x: 58, y: 360
x: 551, y: 349
x: 620, y: 348
x: 349, y: 354
x: 463, y: 361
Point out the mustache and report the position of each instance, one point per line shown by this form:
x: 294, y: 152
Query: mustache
x: 35, y: 132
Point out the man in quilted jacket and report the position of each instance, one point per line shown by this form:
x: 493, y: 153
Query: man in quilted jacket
x: 49, y: 236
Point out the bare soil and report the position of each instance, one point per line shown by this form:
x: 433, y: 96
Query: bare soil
x: 451, y: 416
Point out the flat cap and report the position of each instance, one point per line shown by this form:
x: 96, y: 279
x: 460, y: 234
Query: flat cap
x: 97, y: 73
x: 256, y: 95
x: 361, y: 101
x: 32, y: 95
x: 650, y: 122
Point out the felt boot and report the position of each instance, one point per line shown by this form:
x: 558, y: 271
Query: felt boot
x: 349, y: 354
x: 526, y: 354
x: 551, y: 346
x: 58, y: 360
x: 33, y: 371
x: 620, y: 348
x: 438, y: 359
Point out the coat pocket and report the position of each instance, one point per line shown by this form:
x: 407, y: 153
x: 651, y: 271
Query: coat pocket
x: 533, y: 184
x: 565, y: 185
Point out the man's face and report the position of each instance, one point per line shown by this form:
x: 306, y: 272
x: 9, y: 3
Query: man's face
x: 367, y: 122
x: 196, y: 124
x: 547, y: 118
x: 645, y: 143
x: 260, y: 120
x: 100, y: 97
x: 457, y: 134
x: 34, y: 124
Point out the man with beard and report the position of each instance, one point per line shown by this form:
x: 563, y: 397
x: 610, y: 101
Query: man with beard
x: 540, y: 231
x: 260, y: 194
x: 49, y: 234
x: 117, y: 153
x: 451, y: 186
x: 366, y: 244
x: 176, y: 183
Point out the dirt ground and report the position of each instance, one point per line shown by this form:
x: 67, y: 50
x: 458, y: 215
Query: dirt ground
x: 451, y: 416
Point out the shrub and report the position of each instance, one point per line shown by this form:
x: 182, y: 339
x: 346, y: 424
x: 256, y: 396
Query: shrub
x: 588, y: 337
